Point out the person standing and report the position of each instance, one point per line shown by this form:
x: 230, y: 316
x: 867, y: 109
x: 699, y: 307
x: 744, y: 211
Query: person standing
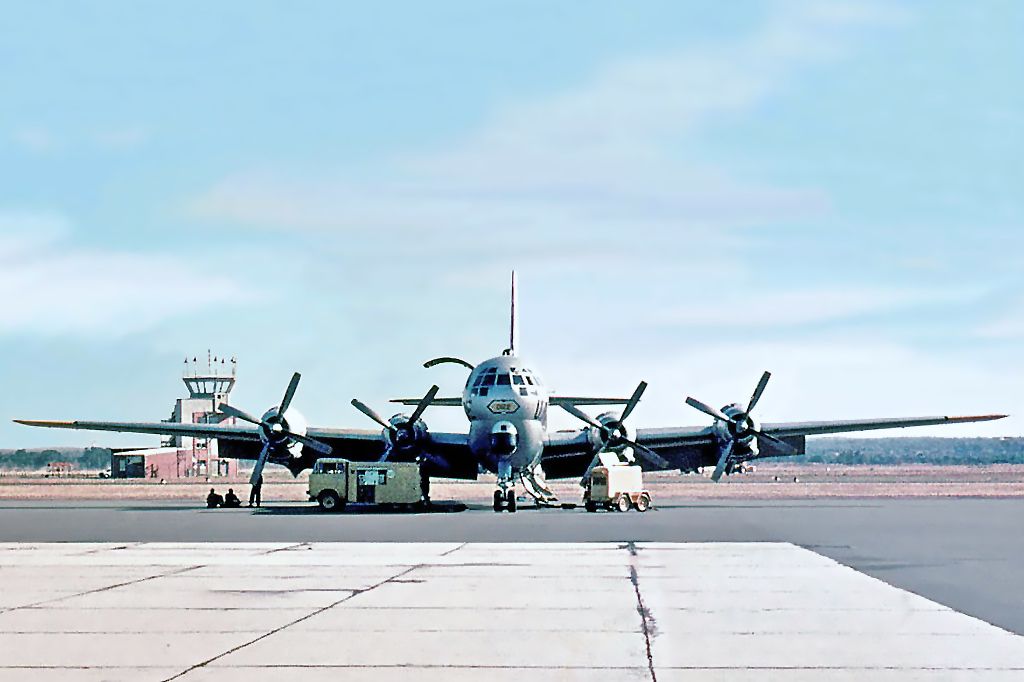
x: 256, y: 492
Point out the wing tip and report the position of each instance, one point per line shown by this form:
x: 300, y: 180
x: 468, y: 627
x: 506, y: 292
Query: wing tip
x: 44, y: 422
x: 977, y: 418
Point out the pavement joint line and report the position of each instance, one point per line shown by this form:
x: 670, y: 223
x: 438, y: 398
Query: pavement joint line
x: 286, y: 549
x: 106, y: 588
x: 301, y: 619
x: 453, y: 550
x: 646, y: 619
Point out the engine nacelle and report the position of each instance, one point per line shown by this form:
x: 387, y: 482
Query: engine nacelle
x: 740, y: 430
x: 611, y: 421
x: 405, y: 438
x: 292, y: 421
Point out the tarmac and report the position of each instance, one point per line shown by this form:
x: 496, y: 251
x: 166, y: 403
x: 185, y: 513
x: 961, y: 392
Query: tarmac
x: 791, y: 589
x: 468, y: 611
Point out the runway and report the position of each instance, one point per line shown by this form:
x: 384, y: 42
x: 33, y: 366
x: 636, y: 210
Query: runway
x: 467, y: 611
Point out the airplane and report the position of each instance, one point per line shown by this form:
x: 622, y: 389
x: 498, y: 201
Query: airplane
x: 506, y: 403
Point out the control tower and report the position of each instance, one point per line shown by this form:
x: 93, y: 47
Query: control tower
x: 209, y: 383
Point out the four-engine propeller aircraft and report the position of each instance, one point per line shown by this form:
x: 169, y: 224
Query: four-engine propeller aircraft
x: 507, y: 404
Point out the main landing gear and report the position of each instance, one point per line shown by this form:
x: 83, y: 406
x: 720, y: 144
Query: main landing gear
x: 505, y: 499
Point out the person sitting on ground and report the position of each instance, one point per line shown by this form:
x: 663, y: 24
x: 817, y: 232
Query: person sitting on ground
x: 214, y: 500
x: 231, y: 500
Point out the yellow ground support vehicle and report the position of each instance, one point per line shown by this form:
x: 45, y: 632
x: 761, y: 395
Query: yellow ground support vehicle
x: 619, y: 487
x: 336, y: 482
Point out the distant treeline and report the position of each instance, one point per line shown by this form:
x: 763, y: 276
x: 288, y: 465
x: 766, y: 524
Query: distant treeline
x: 819, y: 450
x: 32, y: 460
x: 911, y: 450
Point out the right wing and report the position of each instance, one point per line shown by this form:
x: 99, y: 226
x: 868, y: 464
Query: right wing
x: 450, y: 456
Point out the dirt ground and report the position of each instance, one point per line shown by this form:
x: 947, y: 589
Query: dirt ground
x: 770, y: 481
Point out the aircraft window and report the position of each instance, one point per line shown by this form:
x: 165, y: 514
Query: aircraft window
x: 490, y: 370
x: 479, y: 380
x: 517, y: 380
x: 522, y: 391
x: 503, y: 380
x: 483, y: 392
x: 488, y: 380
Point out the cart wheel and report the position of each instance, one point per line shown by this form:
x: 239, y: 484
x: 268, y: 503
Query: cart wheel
x: 590, y: 506
x: 329, y: 501
x: 623, y: 503
x: 511, y: 500
x: 499, y: 501
x: 643, y: 503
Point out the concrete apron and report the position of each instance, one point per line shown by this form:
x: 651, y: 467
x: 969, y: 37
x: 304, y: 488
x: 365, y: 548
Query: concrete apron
x: 331, y: 611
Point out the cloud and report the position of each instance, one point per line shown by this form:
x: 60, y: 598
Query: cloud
x: 36, y: 140
x: 613, y: 158
x: 767, y: 309
x: 51, y: 287
x: 120, y: 139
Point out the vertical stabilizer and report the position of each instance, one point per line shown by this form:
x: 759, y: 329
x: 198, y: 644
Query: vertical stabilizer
x: 512, y: 320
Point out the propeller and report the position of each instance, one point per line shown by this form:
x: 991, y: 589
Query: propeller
x: 402, y: 433
x: 612, y: 437
x: 740, y: 425
x: 275, y: 429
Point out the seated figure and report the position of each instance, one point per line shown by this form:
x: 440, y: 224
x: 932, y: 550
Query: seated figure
x: 214, y: 500
x: 231, y: 500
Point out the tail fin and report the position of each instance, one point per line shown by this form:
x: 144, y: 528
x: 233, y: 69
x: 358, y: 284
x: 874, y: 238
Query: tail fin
x: 512, y: 321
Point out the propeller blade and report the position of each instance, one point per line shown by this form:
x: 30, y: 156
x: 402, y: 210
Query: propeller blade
x: 758, y: 391
x: 368, y: 411
x: 634, y: 399
x: 233, y: 411
x: 257, y: 470
x: 424, y: 404
x: 582, y: 416
x: 593, y: 463
x: 707, y: 409
x: 312, y: 443
x: 289, y: 394
x: 723, y: 459
x: 781, y: 444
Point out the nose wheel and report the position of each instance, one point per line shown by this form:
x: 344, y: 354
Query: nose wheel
x: 505, y: 500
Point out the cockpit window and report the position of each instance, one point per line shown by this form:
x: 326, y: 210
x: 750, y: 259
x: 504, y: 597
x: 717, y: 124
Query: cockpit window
x: 529, y: 379
x: 488, y: 380
x: 517, y: 380
x: 503, y: 380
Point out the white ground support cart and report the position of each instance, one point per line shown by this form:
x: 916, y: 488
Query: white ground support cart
x: 619, y: 487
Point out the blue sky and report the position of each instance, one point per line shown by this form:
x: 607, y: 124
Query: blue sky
x: 690, y: 192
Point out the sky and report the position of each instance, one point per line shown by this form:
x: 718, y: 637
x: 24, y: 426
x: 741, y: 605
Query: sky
x: 690, y: 193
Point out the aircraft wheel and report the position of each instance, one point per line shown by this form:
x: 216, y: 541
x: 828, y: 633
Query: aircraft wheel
x: 499, y: 501
x: 623, y: 503
x: 643, y: 503
x: 511, y: 500
x: 329, y: 501
x: 590, y: 506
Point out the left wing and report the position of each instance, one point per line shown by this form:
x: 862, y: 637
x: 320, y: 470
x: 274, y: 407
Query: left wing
x: 568, y: 455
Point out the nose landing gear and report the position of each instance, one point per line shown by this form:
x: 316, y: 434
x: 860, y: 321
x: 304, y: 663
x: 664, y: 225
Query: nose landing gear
x: 505, y: 500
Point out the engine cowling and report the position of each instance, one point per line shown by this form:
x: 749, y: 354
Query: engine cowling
x: 741, y: 430
x: 612, y: 421
x: 405, y: 437
x: 274, y: 425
